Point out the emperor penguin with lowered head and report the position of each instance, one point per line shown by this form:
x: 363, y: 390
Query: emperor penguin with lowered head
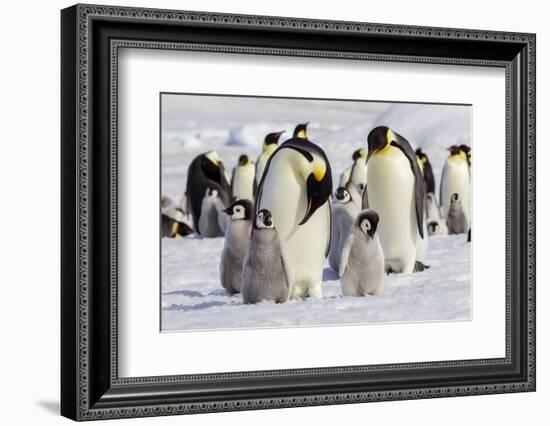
x: 396, y: 190
x: 296, y: 188
x: 455, y: 179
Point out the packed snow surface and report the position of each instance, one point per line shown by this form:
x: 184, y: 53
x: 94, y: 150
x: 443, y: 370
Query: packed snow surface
x: 191, y: 295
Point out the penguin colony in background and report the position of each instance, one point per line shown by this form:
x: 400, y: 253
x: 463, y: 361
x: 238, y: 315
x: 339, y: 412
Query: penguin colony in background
x: 281, y: 219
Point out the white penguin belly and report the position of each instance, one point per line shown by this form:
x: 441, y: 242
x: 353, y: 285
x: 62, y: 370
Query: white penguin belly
x: 391, y: 194
x: 260, y: 166
x: 284, y: 195
x: 359, y: 173
x: 456, y: 180
x: 243, y: 183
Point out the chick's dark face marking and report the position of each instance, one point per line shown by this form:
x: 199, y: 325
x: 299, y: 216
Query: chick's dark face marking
x: 342, y: 195
x: 264, y: 220
x: 240, y: 210
x: 367, y: 220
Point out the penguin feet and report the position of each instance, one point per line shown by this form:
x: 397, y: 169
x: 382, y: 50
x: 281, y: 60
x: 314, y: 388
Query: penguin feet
x: 419, y: 266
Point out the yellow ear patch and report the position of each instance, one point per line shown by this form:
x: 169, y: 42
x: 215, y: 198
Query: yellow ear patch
x: 302, y: 134
x: 175, y: 229
x: 214, y: 157
x: 390, y: 136
x: 363, y: 153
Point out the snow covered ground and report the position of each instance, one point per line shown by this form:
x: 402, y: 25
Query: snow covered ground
x: 192, y: 297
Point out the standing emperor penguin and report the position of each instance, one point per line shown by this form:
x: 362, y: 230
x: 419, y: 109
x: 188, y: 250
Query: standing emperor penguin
x: 237, y: 237
x: 300, y: 131
x: 456, y: 219
x: 206, y: 171
x: 344, y: 212
x: 455, y: 179
x: 396, y: 190
x: 268, y: 148
x: 427, y: 171
x: 358, y: 175
x: 266, y: 273
x: 362, y: 262
x: 209, y: 224
x: 296, y: 188
x: 242, y: 181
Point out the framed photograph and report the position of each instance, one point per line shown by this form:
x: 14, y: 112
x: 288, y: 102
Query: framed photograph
x: 263, y: 212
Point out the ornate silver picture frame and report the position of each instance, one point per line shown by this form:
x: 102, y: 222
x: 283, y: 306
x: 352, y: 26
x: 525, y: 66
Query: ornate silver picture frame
x: 91, y: 39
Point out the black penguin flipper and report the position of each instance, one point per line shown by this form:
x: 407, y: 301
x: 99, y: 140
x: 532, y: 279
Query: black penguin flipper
x: 327, y: 251
x: 419, y: 186
x: 429, y: 178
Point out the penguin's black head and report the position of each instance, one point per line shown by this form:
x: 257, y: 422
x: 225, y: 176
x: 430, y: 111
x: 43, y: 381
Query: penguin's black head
x: 454, y: 150
x: 315, y: 169
x: 264, y: 220
x: 212, y: 166
x: 243, y: 160
x: 300, y: 131
x: 342, y: 195
x: 273, y: 138
x: 377, y: 139
x: 367, y: 220
x: 465, y: 149
x: 240, y: 210
x: 421, y: 155
x: 454, y: 198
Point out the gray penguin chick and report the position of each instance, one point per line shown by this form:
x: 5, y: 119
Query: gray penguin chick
x: 362, y: 259
x: 344, y: 211
x: 208, y: 221
x: 456, y: 219
x: 237, y: 237
x: 266, y: 274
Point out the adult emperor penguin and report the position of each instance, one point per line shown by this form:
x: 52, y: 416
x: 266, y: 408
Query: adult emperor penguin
x: 295, y: 188
x: 300, y: 131
x: 206, y: 171
x: 455, y: 179
x: 362, y: 261
x: 237, y: 237
x: 358, y: 175
x: 426, y: 171
x: 268, y: 148
x: 396, y: 190
x: 242, y: 180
